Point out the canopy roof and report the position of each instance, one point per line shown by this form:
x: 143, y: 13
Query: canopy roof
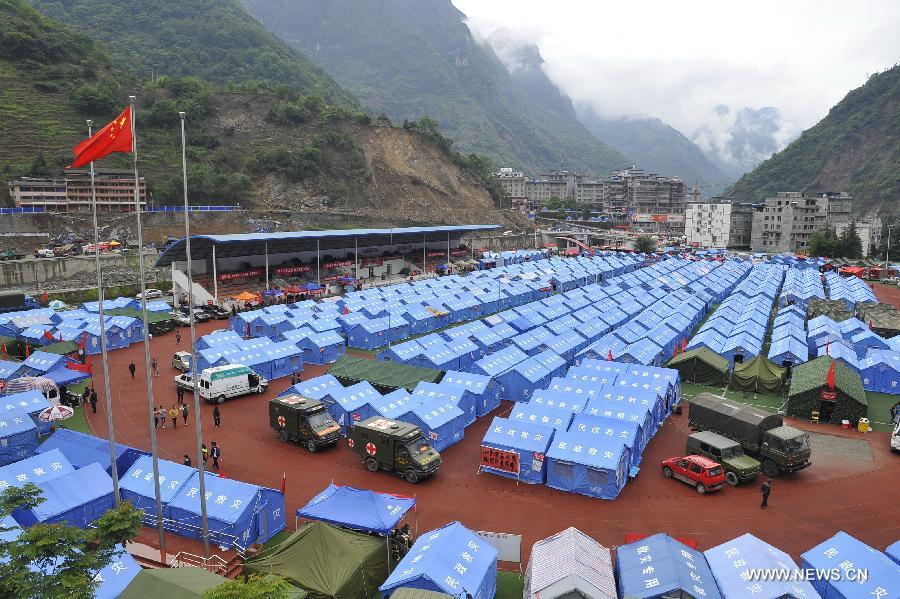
x: 256, y: 244
x: 831, y: 553
x: 382, y: 374
x: 357, y: 508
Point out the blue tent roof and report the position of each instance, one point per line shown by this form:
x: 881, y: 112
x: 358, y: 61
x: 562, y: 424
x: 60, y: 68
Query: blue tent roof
x: 315, y: 388
x: 229, y: 498
x: 590, y: 450
x: 452, y: 559
x: 893, y: 551
x: 36, y: 469
x: 520, y: 434
x: 394, y: 404
x: 830, y: 554
x: 82, y: 449
x: 66, y: 376
x: 357, y: 509
x: 676, y: 568
x: 116, y: 575
x: 754, y: 554
x: 139, y: 479
x: 44, y: 362
x: 8, y: 369
x: 69, y: 491
x: 556, y: 418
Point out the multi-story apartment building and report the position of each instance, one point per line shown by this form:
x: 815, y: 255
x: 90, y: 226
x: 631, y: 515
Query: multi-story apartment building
x: 718, y: 223
x: 869, y: 231
x: 785, y: 222
x: 115, y: 192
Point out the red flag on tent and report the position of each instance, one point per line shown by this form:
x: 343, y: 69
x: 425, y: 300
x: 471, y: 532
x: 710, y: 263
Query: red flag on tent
x: 49, y: 336
x: 829, y: 378
x: 870, y: 324
x: 27, y: 350
x: 222, y: 472
x: 828, y: 348
x: 283, y: 482
x: 346, y: 310
x: 609, y: 356
x: 675, y: 351
x: 44, y: 298
x: 5, y: 353
x: 683, y: 343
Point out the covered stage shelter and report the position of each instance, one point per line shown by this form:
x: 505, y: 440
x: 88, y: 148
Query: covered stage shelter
x: 570, y: 564
x: 810, y: 392
x: 224, y: 257
x: 359, y: 509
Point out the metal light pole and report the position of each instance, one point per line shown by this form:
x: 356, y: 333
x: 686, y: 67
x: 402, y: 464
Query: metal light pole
x: 887, y: 255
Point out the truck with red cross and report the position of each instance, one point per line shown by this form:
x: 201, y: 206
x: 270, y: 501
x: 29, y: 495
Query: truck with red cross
x: 303, y: 420
x: 400, y: 447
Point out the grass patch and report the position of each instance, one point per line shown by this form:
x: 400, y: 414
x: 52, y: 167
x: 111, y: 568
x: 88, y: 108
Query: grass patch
x: 509, y: 585
x: 78, y: 422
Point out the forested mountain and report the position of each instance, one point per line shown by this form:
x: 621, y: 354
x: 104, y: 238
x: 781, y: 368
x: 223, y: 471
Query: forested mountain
x: 409, y: 58
x: 855, y: 148
x: 215, y: 40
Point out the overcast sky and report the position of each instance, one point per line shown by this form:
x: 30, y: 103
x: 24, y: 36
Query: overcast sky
x: 679, y: 60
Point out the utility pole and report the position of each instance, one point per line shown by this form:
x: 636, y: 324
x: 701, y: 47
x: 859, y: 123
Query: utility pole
x: 887, y: 255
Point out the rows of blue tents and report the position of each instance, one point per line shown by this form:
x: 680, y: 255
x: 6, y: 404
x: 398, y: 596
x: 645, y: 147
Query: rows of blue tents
x: 72, y: 470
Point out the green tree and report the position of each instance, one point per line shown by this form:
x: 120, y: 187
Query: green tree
x: 252, y: 587
x: 362, y: 118
x: 644, y: 244
x: 824, y: 243
x: 39, y: 166
x: 850, y: 244
x: 69, y: 557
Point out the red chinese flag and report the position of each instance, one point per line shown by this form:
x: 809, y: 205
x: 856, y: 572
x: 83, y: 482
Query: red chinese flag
x: 5, y: 353
x: 829, y: 378
x: 283, y: 482
x: 83, y: 343
x: 114, y: 137
x: 609, y: 356
x: 48, y: 336
x: 683, y: 343
x: 27, y: 350
x: 44, y: 298
x: 870, y: 325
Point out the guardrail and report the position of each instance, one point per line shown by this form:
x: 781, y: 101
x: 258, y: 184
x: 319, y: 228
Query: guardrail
x: 23, y: 210
x: 194, y: 209
x: 214, y: 563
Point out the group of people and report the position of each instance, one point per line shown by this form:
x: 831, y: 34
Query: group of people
x: 160, y: 414
x: 215, y: 453
x: 88, y: 396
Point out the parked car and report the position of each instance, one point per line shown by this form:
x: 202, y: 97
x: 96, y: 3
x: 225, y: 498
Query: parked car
x: 739, y: 467
x: 181, y: 361
x: 44, y: 253
x: 214, y: 311
x: 701, y: 473
x: 185, y: 381
x: 181, y: 319
x: 150, y: 294
x: 199, y: 315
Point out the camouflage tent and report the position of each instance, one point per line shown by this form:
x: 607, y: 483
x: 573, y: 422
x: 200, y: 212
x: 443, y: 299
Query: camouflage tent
x: 884, y: 318
x: 759, y: 375
x: 701, y: 365
x: 384, y: 376
x: 836, y: 310
x: 809, y: 392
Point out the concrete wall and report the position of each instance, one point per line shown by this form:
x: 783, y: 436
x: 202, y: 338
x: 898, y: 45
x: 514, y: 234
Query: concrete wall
x: 33, y: 274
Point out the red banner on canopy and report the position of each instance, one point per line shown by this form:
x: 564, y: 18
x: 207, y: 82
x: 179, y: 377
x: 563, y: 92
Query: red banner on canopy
x: 289, y: 270
x: 227, y: 276
x: 338, y: 264
x: 500, y: 459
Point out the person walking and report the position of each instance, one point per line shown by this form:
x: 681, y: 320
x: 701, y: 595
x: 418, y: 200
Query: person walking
x: 155, y: 418
x: 162, y: 417
x: 173, y: 414
x: 131, y: 369
x: 215, y: 453
x: 205, y: 452
x: 217, y: 416
x: 766, y: 488
x: 184, y: 412
x: 155, y: 366
x: 177, y: 337
x: 187, y: 460
x: 180, y: 392
x: 93, y: 400
x: 85, y: 395
x: 293, y: 378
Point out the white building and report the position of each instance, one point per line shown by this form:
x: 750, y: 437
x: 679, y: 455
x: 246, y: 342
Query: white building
x: 869, y: 231
x: 708, y: 224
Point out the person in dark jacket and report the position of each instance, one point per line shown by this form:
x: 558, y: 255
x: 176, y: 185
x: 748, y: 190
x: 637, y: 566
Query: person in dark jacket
x: 766, y: 488
x: 93, y: 400
x: 180, y: 393
x: 131, y: 369
x: 215, y: 453
x: 184, y: 412
x: 217, y: 416
x: 85, y: 395
x: 187, y: 460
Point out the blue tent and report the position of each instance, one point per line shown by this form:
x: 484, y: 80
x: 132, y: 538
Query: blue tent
x: 420, y: 319
x: 437, y: 357
x: 601, y: 406
x: 77, y: 498
x: 628, y: 432
x: 359, y: 509
x: 137, y: 485
x: 82, y: 449
x: 116, y: 575
x: 524, y: 378
x: 66, y: 376
x: 587, y: 464
x: 553, y: 417
x: 560, y: 400
x: 832, y: 554
x: 393, y: 405
x: 528, y: 441
x: 567, y: 344
x: 488, y: 340
x: 40, y: 362
x: 351, y: 404
x: 480, y: 388
x: 36, y: 469
x: 452, y: 560
x: 880, y: 371
x: 788, y: 350
x: 18, y: 437
x: 230, y: 511
x: 893, y: 551
x: 439, y: 393
x: 754, y: 554
x: 314, y: 388
x: 443, y: 424
x: 32, y: 403
x: 270, y: 514
x: 531, y: 343
x: 407, y: 352
x: 218, y: 338
x: 465, y: 352
x: 371, y: 334
x: 8, y: 369
x: 643, y: 351
x: 677, y: 570
x: 322, y: 348
x: 651, y: 400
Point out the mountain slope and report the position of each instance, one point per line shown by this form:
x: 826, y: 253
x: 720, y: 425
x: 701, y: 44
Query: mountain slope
x: 855, y: 148
x: 215, y: 40
x: 410, y: 58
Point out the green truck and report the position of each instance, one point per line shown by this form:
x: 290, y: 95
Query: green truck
x: 764, y: 436
x: 400, y: 447
x: 303, y: 420
x: 739, y: 467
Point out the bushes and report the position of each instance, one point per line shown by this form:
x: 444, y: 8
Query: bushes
x: 97, y: 100
x: 294, y: 166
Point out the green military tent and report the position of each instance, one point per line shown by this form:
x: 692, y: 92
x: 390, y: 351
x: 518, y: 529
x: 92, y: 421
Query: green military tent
x: 172, y: 583
x: 384, y: 376
x: 407, y: 593
x: 327, y: 562
x: 810, y: 392
x: 701, y: 365
x: 759, y: 375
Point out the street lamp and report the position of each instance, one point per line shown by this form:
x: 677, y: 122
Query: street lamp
x: 887, y: 255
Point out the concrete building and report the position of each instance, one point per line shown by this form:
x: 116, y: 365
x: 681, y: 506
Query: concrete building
x: 869, y: 231
x: 718, y: 223
x: 115, y: 192
x: 785, y: 222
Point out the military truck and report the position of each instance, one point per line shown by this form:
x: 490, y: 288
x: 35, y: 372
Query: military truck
x: 303, y: 420
x: 763, y: 435
x: 739, y: 467
x: 385, y: 444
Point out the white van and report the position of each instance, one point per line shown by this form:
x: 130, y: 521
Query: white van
x: 223, y: 382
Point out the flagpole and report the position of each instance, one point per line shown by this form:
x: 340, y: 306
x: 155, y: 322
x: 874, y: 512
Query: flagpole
x: 154, y: 448
x: 201, y: 468
x: 103, y: 350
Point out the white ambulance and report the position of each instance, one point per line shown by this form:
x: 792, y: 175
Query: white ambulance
x: 224, y: 382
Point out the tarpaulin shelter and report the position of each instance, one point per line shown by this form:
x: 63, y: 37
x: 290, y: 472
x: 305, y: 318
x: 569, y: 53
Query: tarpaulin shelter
x: 225, y: 337
x: 406, y: 352
x: 66, y: 376
x: 443, y: 424
x: 18, y: 437
x: 40, y: 362
x: 758, y: 555
x: 82, y: 449
x: 810, y: 392
x: 452, y: 560
x: 36, y: 469
x: 880, y: 372
x: 480, y: 388
x: 77, y: 498
x: 465, y: 352
x: 529, y: 442
x: 555, y: 418
x: 314, y: 388
x: 384, y: 376
x: 523, y: 378
x: 351, y: 404
x: 759, y: 375
x: 701, y: 366
x: 172, y: 583
x: 8, y: 369
x: 639, y: 415
x: 558, y: 399
x: 32, y: 403
x: 437, y: 393
x: 327, y: 562
x: 273, y: 361
x: 587, y: 464
x: 627, y: 431
x: 137, y: 486
x: 569, y: 564
x: 322, y: 348
x: 358, y: 509
x: 378, y: 332
x: 883, y: 574
x: 678, y: 570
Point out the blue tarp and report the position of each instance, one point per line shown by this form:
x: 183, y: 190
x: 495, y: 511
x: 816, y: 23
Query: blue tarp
x: 66, y: 376
x: 443, y: 424
x: 351, y: 404
x: 552, y: 417
x: 8, y: 369
x: 612, y: 428
x: 18, y: 437
x: 790, y: 350
x: 451, y: 560
x: 40, y: 362
x: 137, y: 485
x: 524, y: 378
x: 560, y: 400
x: 322, y: 348
x: 587, y: 464
x: 82, y: 449
x: 393, y: 405
x: 754, y: 554
x: 834, y: 553
x: 432, y: 393
x: 676, y: 569
x: 481, y: 388
x: 358, y: 509
x: 31, y: 402
x: 77, y: 498
x: 529, y: 441
x: 315, y: 388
